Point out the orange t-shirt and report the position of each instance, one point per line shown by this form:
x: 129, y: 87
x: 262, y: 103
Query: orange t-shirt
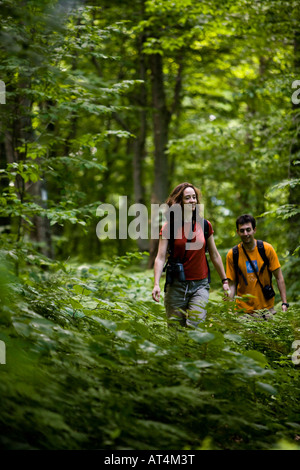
x: 258, y: 301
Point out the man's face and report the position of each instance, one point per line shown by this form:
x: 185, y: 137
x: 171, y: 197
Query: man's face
x: 246, y: 232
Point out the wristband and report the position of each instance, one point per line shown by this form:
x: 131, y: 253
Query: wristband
x: 224, y: 280
x: 286, y: 304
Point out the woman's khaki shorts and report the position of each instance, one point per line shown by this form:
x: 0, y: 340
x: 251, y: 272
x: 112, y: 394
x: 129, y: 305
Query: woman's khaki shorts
x: 185, y: 301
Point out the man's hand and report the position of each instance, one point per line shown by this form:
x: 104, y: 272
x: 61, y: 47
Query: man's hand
x: 284, y: 308
x: 156, y: 293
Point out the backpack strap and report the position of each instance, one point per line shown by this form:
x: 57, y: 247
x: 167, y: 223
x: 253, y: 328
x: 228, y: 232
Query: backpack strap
x: 261, y: 250
x: 238, y: 271
x: 170, y: 245
x: 235, y: 256
x: 171, y: 241
x: 206, y: 230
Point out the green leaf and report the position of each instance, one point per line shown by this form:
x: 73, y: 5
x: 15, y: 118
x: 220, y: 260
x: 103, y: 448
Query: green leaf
x: 233, y: 337
x: 201, y: 337
x: 257, y: 356
x: 266, y: 388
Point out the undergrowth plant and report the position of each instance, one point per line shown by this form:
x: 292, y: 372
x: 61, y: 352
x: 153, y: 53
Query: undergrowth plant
x: 92, y: 364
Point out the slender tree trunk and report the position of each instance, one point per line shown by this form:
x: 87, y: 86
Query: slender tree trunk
x: 139, y: 150
x: 176, y: 108
x: 139, y: 143
x: 161, y: 123
x: 42, y: 232
x: 18, y: 133
x: 161, y: 119
x: 294, y: 168
x: 247, y: 180
x: 4, y: 221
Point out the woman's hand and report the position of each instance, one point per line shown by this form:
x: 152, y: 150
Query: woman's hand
x: 156, y: 293
x: 158, y: 267
x: 226, y: 287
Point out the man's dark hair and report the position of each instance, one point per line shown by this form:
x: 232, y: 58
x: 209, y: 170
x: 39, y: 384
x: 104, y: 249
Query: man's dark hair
x: 245, y: 219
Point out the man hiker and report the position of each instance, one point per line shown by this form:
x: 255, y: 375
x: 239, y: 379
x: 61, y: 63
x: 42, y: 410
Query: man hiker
x: 249, y: 269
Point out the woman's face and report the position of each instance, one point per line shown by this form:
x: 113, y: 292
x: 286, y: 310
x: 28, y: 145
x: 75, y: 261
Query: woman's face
x: 189, y: 197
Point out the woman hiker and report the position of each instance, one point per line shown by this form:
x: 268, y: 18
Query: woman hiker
x: 185, y: 237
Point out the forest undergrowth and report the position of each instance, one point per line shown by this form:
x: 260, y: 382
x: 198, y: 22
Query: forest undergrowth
x: 92, y: 364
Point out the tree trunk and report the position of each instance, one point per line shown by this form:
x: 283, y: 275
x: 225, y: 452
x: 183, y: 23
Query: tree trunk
x: 41, y: 233
x: 294, y: 168
x: 17, y: 134
x: 161, y: 119
x: 4, y: 221
x: 139, y: 150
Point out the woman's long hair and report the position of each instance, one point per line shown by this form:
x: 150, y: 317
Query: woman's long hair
x: 176, y: 196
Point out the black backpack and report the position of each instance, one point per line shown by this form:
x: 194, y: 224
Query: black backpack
x: 261, y: 250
